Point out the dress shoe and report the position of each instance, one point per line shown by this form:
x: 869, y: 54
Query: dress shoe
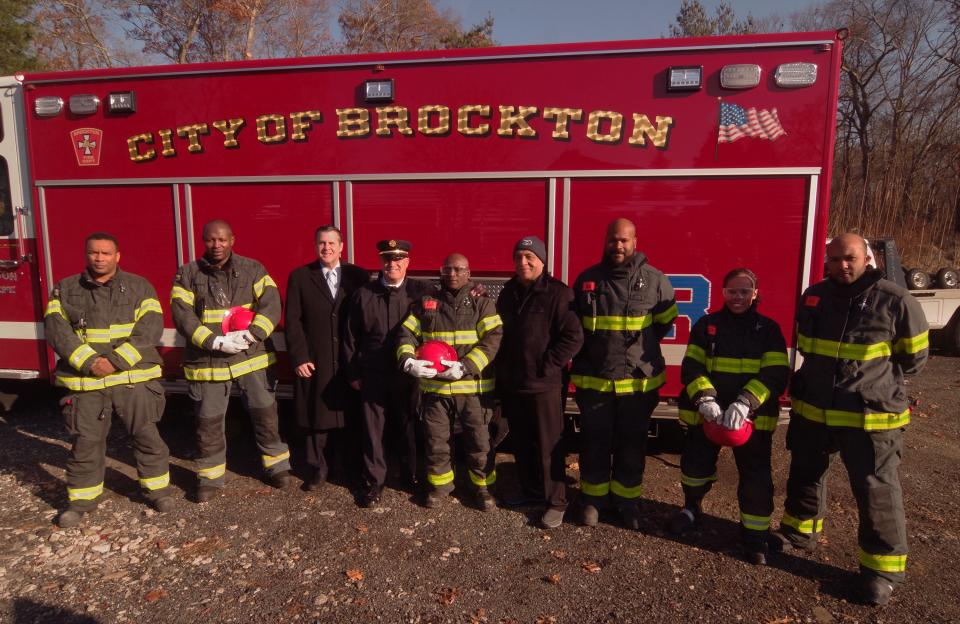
x: 371, y: 497
x: 314, y: 482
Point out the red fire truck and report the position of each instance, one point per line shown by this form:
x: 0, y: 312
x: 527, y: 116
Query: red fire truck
x: 719, y: 149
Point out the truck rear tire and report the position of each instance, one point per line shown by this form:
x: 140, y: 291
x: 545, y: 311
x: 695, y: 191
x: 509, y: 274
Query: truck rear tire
x: 918, y: 279
x: 947, y: 278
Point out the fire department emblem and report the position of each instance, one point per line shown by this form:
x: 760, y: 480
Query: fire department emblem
x: 86, y: 144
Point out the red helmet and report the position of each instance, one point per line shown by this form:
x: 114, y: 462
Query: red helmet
x: 436, y: 350
x: 236, y: 319
x: 720, y: 435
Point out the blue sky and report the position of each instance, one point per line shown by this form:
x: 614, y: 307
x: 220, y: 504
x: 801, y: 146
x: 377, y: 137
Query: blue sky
x: 518, y: 22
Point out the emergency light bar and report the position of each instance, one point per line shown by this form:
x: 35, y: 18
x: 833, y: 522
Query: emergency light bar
x: 84, y: 104
x: 122, y: 102
x: 739, y: 76
x: 48, y: 106
x: 796, y: 74
x: 688, y: 78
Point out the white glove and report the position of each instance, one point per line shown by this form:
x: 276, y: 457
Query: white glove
x: 735, y: 415
x: 710, y: 410
x: 241, y: 337
x: 227, y: 345
x: 454, y: 370
x: 419, y: 368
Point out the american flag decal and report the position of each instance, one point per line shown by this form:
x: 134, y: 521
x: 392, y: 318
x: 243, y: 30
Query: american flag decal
x: 737, y: 122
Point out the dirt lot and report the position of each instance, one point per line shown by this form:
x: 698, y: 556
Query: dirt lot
x: 258, y: 554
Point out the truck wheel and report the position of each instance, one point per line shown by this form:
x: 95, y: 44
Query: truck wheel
x: 947, y: 278
x: 917, y: 279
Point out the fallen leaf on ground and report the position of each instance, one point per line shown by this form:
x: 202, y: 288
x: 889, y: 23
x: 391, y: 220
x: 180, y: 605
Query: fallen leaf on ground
x: 553, y: 579
x: 590, y: 567
x: 479, y: 616
x: 362, y: 528
x: 355, y: 575
x: 446, y: 595
x: 155, y: 595
x: 546, y: 619
x: 559, y: 554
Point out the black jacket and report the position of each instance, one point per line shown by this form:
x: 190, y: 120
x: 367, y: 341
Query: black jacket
x: 314, y: 323
x: 541, y: 333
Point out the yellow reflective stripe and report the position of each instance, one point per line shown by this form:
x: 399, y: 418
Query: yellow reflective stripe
x: 883, y: 563
x: 440, y: 479
x: 181, y: 293
x: 488, y: 323
x: 85, y: 493
x: 156, y: 483
x: 261, y: 286
x: 114, y: 332
x: 212, y: 473
x: 404, y: 350
x: 263, y: 323
x: 129, y: 353
x: 413, y: 324
x: 83, y: 384
x: 758, y: 390
x: 217, y: 315
x: 618, y: 386
x: 880, y: 421
x: 698, y: 385
x: 621, y: 490
x: 200, y: 334
x: 617, y: 323
x: 466, y: 337
x: 479, y: 358
x: 594, y: 489
x: 696, y: 353
x: 733, y: 365
x: 229, y: 371
x: 766, y: 423
x: 490, y: 479
x: 270, y: 460
x: 54, y: 307
x: 146, y: 306
x: 755, y: 523
x: 80, y: 355
x: 697, y: 481
x: 807, y: 527
x: 843, y: 350
x: 667, y: 316
x: 691, y: 417
x: 914, y: 344
x: 464, y: 386
x: 774, y: 358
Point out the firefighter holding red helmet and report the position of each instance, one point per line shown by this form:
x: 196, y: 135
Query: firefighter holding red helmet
x: 734, y: 371
x: 204, y: 292
x: 463, y: 391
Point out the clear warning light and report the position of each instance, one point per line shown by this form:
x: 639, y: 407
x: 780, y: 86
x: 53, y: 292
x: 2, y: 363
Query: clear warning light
x: 796, y: 74
x: 739, y: 76
x: 48, y: 106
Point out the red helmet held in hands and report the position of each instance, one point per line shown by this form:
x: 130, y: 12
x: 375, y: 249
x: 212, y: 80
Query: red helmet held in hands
x: 236, y: 319
x: 720, y: 435
x: 436, y: 350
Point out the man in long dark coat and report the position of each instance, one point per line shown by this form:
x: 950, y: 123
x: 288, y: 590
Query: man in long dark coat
x: 315, y: 318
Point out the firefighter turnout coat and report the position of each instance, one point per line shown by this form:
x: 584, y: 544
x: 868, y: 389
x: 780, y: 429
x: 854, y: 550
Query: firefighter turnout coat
x: 202, y: 294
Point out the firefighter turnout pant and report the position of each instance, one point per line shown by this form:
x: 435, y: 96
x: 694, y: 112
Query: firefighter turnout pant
x: 698, y: 471
x: 472, y: 413
x: 613, y: 445
x: 88, y: 417
x: 211, y: 399
x: 872, y: 459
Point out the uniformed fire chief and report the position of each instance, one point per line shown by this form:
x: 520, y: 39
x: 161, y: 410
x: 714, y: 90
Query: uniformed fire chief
x: 104, y: 324
x: 463, y: 392
x: 859, y: 335
x: 626, y: 307
x: 388, y: 396
x: 204, y: 292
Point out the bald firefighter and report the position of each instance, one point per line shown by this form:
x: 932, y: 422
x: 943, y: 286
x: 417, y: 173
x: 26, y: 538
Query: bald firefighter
x: 104, y: 324
x: 463, y: 393
x: 204, y: 292
x: 859, y: 335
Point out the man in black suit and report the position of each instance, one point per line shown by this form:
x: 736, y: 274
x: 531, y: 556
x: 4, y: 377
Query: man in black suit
x: 388, y: 396
x: 317, y: 296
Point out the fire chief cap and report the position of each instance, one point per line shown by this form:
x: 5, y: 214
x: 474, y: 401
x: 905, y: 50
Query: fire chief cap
x: 394, y: 248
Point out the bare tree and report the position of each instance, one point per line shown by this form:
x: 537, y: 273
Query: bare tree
x: 74, y: 34
x: 394, y: 25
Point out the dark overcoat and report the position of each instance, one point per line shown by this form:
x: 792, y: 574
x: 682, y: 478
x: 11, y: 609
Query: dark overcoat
x: 314, y: 322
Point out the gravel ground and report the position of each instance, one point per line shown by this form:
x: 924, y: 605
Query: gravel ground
x: 258, y: 554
